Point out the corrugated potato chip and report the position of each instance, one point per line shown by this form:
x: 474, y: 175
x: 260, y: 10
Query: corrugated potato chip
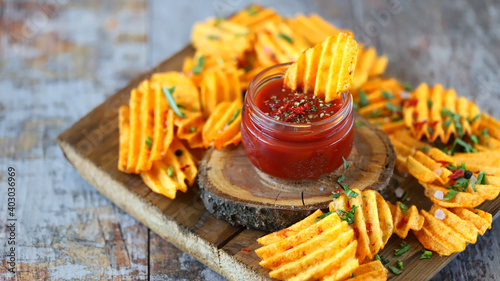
x: 371, y: 220
x: 445, y: 232
x: 223, y: 125
x: 374, y: 271
x: 405, y: 218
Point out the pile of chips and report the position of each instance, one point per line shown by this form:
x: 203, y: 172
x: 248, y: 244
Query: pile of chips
x: 444, y: 141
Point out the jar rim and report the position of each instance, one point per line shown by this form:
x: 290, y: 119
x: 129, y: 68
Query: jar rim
x: 333, y: 120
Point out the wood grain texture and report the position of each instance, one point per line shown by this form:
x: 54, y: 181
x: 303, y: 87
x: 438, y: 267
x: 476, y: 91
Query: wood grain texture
x: 54, y: 73
x: 236, y: 191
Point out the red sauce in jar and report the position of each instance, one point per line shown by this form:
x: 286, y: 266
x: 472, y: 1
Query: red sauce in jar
x: 283, y: 104
x: 296, y: 149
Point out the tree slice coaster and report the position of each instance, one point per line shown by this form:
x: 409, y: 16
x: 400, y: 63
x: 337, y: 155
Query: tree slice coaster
x: 234, y: 190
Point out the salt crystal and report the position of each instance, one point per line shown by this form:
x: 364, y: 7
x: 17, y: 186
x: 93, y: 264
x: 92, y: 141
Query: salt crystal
x: 439, y: 195
x: 399, y: 192
x: 438, y: 172
x: 473, y: 179
x: 405, y: 94
x: 439, y: 214
x: 321, y: 189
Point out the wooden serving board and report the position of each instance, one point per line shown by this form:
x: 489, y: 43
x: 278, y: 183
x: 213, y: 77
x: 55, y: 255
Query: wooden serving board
x: 91, y: 145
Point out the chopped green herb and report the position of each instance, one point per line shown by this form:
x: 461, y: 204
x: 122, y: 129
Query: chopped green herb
x: 346, y: 166
x: 408, y: 86
x: 447, y: 123
x: 429, y: 103
x: 241, y: 34
x: 320, y: 217
x: 170, y: 171
x: 425, y: 149
x: 400, y: 264
x: 395, y: 270
x: 460, y: 184
x: 381, y: 259
x: 347, y: 216
x: 375, y: 113
x: 252, y: 11
x: 474, y: 139
x: 181, y: 106
x: 387, y: 95
x: 352, y: 275
x: 473, y: 185
x: 404, y: 248
x: 220, y: 61
x: 169, y: 92
x: 405, y: 196
x: 192, y: 129
x: 426, y: 254
x: 474, y: 118
x: 430, y: 130
x: 485, y: 133
x: 451, y: 167
x: 336, y: 193
x: 481, y: 178
x: 165, y: 130
x: 450, y: 194
x: 213, y: 37
x: 358, y: 124
x: 363, y: 99
x: 286, y: 37
x: 349, y: 192
x: 235, y: 115
x: 403, y: 207
x: 355, y: 105
x: 197, y: 69
x: 341, y: 178
x: 392, y: 107
x: 149, y: 142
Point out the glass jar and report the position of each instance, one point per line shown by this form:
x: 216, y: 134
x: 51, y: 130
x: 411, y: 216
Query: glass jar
x: 289, y: 150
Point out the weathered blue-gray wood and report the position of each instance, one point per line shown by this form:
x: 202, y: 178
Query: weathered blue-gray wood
x: 61, y: 58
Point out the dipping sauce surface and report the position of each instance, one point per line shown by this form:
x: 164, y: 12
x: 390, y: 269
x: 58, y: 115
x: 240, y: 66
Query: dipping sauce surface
x: 285, y: 105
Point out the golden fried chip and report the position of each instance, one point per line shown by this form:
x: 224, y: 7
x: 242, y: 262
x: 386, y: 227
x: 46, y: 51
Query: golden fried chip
x: 373, y: 223
x: 217, y: 86
x: 335, y: 67
x: 445, y: 232
x: 222, y: 38
x: 373, y: 270
x: 314, y: 28
x: 289, y: 231
x: 405, y: 218
x: 223, y: 125
x: 467, y: 199
x: 190, y: 129
x: 368, y: 64
x: 254, y: 16
x: 170, y: 173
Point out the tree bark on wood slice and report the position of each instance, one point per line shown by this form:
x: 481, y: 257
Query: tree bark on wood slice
x: 234, y: 190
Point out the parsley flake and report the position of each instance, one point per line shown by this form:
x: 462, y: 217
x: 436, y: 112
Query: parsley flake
x: 349, y: 192
x: 387, y: 95
x: 286, y: 37
x: 400, y: 264
x: 358, y: 124
x: 403, y: 208
x: 341, y: 178
x: 192, y: 129
x: 149, y: 142
x: 450, y: 194
x: 170, y: 171
x: 169, y: 94
x: 363, y: 99
x: 381, y: 259
x: 320, y: 217
x: 426, y: 254
x: 346, y: 166
x: 404, y: 248
x: 197, y: 69
x: 347, y: 216
x: 235, y: 115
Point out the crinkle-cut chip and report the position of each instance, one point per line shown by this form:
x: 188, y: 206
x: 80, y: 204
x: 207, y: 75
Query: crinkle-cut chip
x: 219, y: 37
x: 406, y: 138
x: 487, y: 158
x: 368, y: 65
x: 218, y: 86
x: 278, y: 43
x: 170, y: 173
x: 405, y: 220
x: 436, y: 113
x: 480, y: 219
x: 435, y: 235
x: 338, y: 234
x: 373, y: 222
x: 289, y: 231
x: 439, y: 155
x: 318, y: 264
x: 447, y: 231
x: 302, y: 236
x: 313, y: 27
x: 223, y: 125
x: 186, y: 94
x: 254, y: 17
x: 491, y: 124
x: 467, y: 199
x: 426, y: 169
x: 190, y: 128
x: 487, y: 144
x: 195, y: 67
x: 124, y: 139
x: 390, y: 127
x: 334, y: 70
x: 420, y: 171
x: 373, y: 270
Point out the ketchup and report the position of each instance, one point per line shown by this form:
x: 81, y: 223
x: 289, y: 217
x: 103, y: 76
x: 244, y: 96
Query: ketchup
x: 302, y: 147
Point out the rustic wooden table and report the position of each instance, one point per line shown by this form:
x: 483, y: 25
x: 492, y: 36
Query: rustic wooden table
x: 61, y: 58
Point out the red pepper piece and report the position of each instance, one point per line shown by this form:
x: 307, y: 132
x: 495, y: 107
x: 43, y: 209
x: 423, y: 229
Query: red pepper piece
x: 457, y: 174
x: 245, y: 249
